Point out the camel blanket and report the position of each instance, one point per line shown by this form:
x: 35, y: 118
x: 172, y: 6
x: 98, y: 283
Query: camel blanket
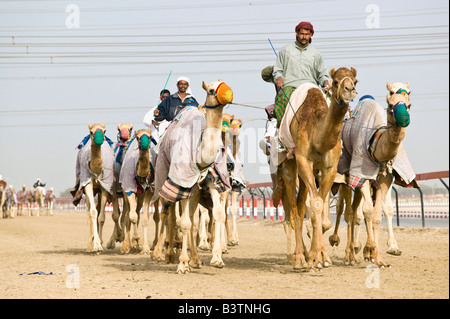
x: 178, y: 149
x: 84, y: 173
x: 296, y: 100
x: 357, y: 135
x: 127, y: 177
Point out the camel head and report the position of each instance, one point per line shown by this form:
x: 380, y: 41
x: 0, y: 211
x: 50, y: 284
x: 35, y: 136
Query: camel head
x: 398, y: 104
x: 236, y: 125
x: 226, y: 121
x: 143, y: 137
x: 97, y: 132
x: 344, y: 84
x: 218, y: 93
x: 124, y: 132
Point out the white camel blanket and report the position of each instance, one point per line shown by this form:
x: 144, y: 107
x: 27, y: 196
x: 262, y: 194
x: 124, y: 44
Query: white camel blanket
x: 127, y: 177
x: 178, y: 149
x: 84, y: 173
x: 356, y: 135
x: 236, y: 173
x: 296, y: 100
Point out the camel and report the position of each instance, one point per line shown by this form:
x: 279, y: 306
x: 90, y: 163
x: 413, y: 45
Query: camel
x: 21, y: 200
x: 9, y: 202
x: 50, y: 201
x: 2, y: 194
x: 383, y: 147
x: 29, y: 200
x: 203, y: 154
x: 39, y: 200
x: 236, y: 182
x: 136, y: 180
x: 123, y: 141
x: 315, y: 131
x: 95, y: 175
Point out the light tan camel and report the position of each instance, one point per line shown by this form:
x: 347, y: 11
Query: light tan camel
x: 123, y: 141
x: 316, y: 132
x: 385, y: 149
x: 209, y: 147
x: 39, y: 200
x: 234, y: 131
x: 29, y: 200
x: 3, y: 185
x: 99, y: 169
x: 140, y: 171
x: 21, y: 200
x: 50, y: 201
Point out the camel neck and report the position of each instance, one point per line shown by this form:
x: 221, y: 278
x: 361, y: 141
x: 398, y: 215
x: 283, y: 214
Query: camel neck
x: 211, y: 139
x: 96, y: 164
x: 143, y: 167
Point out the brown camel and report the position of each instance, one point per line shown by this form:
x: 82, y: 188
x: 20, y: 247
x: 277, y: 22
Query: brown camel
x: 315, y: 131
x: 50, y: 201
x: 385, y: 144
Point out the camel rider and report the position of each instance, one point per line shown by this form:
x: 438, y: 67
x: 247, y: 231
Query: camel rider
x: 39, y: 185
x: 297, y: 63
x: 172, y: 105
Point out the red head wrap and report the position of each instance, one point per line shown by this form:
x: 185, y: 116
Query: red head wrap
x: 305, y: 25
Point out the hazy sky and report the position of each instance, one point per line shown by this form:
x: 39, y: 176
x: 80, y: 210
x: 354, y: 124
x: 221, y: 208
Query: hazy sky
x: 108, y: 61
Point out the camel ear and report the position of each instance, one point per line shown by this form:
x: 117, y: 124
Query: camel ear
x: 118, y: 127
x: 407, y: 85
x: 388, y: 86
x: 103, y: 124
x: 90, y: 126
x: 232, y: 117
x: 205, y: 86
x: 353, y: 71
x: 332, y: 72
x: 131, y: 127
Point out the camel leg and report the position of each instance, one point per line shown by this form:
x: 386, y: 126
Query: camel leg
x: 225, y: 229
x: 234, y: 238
x: 204, y: 220
x: 195, y: 261
x: 145, y: 221
x: 103, y: 196
x: 157, y: 250
x: 368, y: 211
x: 388, y: 209
x: 287, y: 226
x: 156, y: 220
x: 125, y: 249
x: 94, y: 244
x: 185, y: 225
x: 117, y: 229
x: 170, y: 255
x: 219, y: 222
x: 334, y: 238
x: 349, y: 216
x: 136, y: 241
x: 382, y: 189
x: 327, y: 223
x: 289, y: 172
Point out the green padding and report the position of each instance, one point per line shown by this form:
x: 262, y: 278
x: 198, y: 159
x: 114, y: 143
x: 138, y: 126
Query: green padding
x: 401, y: 115
x: 145, y: 142
x: 98, y: 138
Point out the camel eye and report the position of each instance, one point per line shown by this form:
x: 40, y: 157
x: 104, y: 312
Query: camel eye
x: 335, y: 82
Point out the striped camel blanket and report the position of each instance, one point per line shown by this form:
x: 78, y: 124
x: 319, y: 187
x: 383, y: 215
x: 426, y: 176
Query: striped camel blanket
x: 176, y: 171
x: 358, y: 138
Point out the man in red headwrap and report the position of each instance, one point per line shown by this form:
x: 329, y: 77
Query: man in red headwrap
x: 298, y: 63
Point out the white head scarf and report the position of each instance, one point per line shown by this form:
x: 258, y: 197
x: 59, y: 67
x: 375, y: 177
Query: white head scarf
x: 183, y: 78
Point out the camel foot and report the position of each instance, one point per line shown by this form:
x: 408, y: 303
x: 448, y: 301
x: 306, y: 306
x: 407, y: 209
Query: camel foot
x: 334, y: 240
x: 358, y: 247
x: 145, y: 250
x: 157, y: 255
x: 125, y: 249
x: 170, y: 256
x: 204, y: 245
x: 217, y: 262
x: 94, y: 247
x: 111, y: 244
x: 183, y: 268
x: 299, y: 261
x: 394, y: 251
x: 136, y: 244
x: 196, y: 263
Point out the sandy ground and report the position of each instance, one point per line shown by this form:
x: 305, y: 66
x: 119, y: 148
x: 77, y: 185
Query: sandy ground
x: 255, y: 269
